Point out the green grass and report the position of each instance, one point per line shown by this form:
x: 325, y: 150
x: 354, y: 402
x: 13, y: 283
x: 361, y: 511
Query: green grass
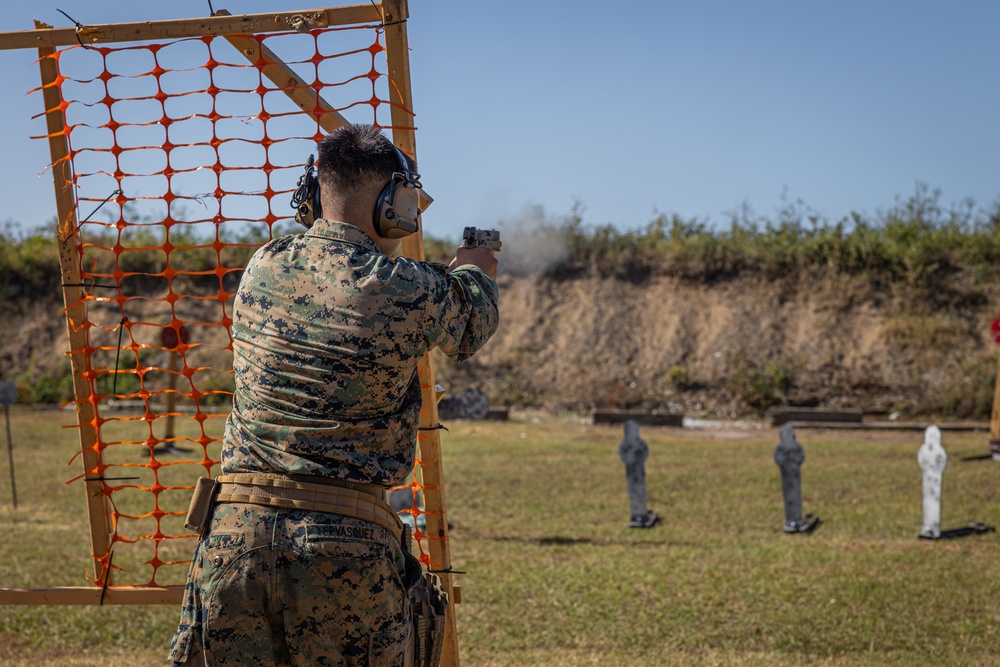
x: 555, y: 577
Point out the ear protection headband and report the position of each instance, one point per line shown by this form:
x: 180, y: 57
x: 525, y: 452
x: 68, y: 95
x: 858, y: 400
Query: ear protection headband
x: 396, y: 209
x: 305, y: 200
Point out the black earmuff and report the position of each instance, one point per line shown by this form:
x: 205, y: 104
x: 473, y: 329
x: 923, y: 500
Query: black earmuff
x: 397, y: 207
x: 305, y: 200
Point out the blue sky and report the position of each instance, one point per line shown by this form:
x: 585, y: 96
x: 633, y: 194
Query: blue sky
x: 631, y: 109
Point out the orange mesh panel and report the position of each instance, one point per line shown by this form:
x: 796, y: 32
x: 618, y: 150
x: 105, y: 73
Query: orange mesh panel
x: 184, y: 157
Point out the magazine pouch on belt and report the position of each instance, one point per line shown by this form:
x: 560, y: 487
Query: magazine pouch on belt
x: 428, y: 601
x: 200, y: 510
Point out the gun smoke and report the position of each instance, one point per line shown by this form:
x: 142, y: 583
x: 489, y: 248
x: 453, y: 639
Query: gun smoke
x: 532, y: 243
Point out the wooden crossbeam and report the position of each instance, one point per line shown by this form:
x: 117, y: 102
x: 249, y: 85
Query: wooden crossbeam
x: 220, y: 24
x: 285, y: 78
x: 300, y: 92
x: 92, y: 595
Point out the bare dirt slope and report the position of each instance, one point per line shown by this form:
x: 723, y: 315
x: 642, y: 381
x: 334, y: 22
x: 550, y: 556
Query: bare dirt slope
x: 727, y: 347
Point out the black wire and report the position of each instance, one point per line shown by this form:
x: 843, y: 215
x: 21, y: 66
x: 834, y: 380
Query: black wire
x: 73, y: 20
x: 211, y: 11
x: 118, y: 353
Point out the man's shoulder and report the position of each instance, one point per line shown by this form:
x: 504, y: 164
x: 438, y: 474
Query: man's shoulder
x: 277, y: 244
x: 422, y: 271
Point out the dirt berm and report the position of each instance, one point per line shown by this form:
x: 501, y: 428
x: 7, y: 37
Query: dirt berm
x: 728, y: 348
x: 733, y: 347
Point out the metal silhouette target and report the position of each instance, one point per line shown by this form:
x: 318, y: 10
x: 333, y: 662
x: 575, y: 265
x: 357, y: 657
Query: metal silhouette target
x: 171, y: 337
x: 473, y: 404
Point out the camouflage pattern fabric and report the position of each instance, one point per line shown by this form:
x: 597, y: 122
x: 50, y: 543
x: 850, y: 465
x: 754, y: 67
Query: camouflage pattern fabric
x: 271, y: 586
x: 327, y: 334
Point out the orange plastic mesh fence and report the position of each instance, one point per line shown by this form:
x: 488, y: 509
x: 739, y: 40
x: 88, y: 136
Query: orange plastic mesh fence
x: 184, y: 157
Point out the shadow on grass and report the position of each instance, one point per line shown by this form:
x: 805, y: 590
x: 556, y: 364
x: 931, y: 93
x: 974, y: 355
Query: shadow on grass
x: 561, y: 541
x: 974, y: 528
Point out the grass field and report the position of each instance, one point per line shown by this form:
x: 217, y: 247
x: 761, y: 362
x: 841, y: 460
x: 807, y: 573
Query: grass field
x: 539, y: 513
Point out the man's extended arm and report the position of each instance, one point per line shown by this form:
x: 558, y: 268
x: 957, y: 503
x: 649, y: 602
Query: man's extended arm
x: 484, y: 258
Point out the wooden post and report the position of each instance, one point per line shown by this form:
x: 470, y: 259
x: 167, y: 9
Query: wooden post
x: 397, y: 57
x: 74, y: 299
x: 10, y: 455
x: 175, y: 365
x: 995, y: 420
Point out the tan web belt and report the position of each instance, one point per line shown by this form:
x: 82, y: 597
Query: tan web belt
x: 358, y: 501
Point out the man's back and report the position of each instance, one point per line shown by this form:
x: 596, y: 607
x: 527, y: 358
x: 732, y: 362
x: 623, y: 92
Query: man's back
x: 327, y: 334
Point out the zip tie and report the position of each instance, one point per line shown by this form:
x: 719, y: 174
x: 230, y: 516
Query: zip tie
x: 107, y: 575
x: 106, y: 200
x: 439, y: 427
x: 79, y: 27
x: 91, y: 285
x: 447, y: 570
x: 384, y: 24
x: 118, y: 354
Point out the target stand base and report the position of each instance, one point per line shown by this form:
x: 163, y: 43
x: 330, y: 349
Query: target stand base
x: 974, y: 528
x: 806, y: 524
x: 647, y: 521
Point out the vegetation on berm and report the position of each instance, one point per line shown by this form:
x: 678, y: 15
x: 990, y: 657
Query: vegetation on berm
x: 917, y: 243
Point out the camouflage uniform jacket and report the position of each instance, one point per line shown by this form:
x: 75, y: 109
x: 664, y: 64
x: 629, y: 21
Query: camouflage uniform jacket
x: 327, y: 334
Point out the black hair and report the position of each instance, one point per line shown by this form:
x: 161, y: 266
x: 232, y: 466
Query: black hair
x: 356, y: 157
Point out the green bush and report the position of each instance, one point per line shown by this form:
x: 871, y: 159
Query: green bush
x: 29, y: 265
x: 56, y: 387
x: 759, y: 385
x: 119, y: 381
x: 679, y: 378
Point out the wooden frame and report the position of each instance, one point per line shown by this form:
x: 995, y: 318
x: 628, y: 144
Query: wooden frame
x: 237, y: 30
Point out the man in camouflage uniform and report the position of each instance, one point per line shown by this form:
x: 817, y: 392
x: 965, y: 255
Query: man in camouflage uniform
x: 328, y: 329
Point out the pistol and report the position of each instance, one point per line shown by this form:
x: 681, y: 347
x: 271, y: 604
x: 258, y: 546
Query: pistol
x: 481, y: 238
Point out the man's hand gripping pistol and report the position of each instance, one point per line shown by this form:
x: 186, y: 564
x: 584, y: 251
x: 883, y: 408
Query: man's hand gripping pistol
x: 481, y: 238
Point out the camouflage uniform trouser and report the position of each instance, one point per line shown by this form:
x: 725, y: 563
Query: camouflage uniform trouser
x: 272, y: 586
